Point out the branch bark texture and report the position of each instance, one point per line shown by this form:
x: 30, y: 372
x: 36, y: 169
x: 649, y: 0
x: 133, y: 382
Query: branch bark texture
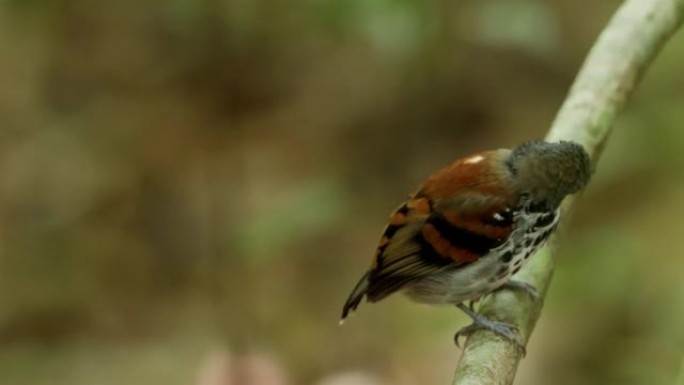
x: 623, y: 51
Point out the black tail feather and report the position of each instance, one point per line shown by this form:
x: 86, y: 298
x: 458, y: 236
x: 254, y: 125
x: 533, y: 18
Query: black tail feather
x: 356, y: 296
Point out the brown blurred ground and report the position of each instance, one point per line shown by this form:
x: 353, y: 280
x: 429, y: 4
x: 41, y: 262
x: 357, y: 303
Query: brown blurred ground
x: 184, y: 178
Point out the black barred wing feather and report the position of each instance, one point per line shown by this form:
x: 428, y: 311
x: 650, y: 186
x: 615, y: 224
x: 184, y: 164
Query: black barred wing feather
x: 405, y: 259
x: 425, y: 237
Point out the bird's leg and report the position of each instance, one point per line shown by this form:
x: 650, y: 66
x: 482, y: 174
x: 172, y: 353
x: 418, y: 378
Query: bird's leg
x: 522, y: 286
x: 507, y: 331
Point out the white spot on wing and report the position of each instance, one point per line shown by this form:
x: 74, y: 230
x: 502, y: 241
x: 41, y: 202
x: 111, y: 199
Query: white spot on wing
x: 498, y: 217
x: 474, y: 159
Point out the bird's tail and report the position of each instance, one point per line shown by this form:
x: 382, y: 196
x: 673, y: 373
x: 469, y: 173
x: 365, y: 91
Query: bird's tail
x: 355, y: 297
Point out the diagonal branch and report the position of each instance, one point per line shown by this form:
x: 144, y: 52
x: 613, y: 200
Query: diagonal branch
x: 623, y: 51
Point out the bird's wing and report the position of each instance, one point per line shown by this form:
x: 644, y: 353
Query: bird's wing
x: 459, y: 214
x: 425, y: 236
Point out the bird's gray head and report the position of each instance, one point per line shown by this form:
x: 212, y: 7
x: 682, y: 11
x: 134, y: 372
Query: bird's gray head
x: 547, y: 172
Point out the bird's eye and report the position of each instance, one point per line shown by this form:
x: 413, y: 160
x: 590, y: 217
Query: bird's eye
x: 498, y: 217
x: 511, y: 167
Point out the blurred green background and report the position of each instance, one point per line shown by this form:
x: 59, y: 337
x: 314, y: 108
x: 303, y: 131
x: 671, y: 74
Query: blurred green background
x: 190, y: 189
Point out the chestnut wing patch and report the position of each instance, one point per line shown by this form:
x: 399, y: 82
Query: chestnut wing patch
x: 410, y: 212
x: 399, y: 257
x: 466, y: 237
x: 451, y: 240
x: 420, y: 241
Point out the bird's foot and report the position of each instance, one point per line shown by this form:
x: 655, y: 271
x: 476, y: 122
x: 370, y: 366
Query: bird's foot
x: 525, y: 287
x: 507, y: 331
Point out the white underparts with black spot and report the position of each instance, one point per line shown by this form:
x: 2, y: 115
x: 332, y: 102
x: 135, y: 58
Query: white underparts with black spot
x: 533, y: 229
x: 485, y: 275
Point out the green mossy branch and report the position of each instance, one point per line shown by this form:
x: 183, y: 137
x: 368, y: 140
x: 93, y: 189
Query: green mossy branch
x: 623, y: 51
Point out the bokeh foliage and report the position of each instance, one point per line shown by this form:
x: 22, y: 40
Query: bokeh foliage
x: 182, y: 176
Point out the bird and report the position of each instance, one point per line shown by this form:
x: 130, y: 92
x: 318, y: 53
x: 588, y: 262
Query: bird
x: 471, y: 226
